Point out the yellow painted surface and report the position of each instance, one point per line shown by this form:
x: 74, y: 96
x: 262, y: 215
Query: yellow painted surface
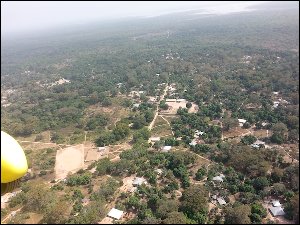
x: 13, y: 159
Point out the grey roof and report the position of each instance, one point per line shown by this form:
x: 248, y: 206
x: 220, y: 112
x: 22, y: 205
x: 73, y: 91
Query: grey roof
x: 221, y: 201
x: 166, y: 148
x: 115, y: 213
x: 258, y: 142
x: 214, y: 197
x: 218, y: 178
x: 138, y: 181
x: 277, y: 211
x: 276, y: 203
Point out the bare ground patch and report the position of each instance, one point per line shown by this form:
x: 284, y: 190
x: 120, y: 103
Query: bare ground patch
x: 69, y: 160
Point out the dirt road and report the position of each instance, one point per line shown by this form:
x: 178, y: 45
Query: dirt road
x: 157, y: 107
x: 11, y: 215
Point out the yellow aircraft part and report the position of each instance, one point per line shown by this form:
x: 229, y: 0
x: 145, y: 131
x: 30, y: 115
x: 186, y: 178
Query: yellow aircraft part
x: 13, y: 159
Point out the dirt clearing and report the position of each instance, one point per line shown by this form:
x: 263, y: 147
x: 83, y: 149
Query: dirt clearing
x: 69, y: 160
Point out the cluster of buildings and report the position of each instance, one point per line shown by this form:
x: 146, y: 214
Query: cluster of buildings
x: 216, y: 198
x: 196, y: 139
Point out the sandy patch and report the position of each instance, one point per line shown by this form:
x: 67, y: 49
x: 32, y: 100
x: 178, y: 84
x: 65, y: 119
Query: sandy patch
x: 106, y: 220
x: 68, y: 160
x: 174, y: 106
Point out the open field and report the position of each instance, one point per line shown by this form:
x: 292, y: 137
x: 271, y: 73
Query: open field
x: 34, y: 218
x: 174, y: 106
x: 159, y: 121
x: 69, y: 160
x: 161, y: 131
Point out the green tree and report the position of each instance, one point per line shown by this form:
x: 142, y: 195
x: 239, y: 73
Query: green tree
x: 200, y: 173
x: 166, y: 206
x: 102, y: 166
x: 56, y: 214
x: 188, y: 105
x: 248, y: 139
x: 238, y: 215
x: 176, y: 218
x: 194, y: 202
x: 143, y: 134
x: 260, y: 183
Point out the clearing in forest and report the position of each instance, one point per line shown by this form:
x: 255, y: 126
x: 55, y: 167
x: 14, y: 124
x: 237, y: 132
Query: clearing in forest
x: 68, y: 160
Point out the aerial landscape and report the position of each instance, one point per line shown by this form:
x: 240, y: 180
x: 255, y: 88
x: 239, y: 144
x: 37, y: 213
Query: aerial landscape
x: 185, y: 117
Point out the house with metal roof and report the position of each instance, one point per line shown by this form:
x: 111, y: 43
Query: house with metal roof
x: 115, y: 213
x: 138, y: 181
x: 277, y: 211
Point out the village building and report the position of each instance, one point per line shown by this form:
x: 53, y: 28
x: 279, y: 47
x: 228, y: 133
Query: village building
x: 154, y: 139
x: 221, y: 201
x: 193, y: 142
x: 277, y: 211
x: 275, y: 104
x: 135, y: 105
x: 258, y: 144
x: 218, y: 178
x: 241, y: 122
x: 115, y: 214
x: 166, y: 148
x: 101, y: 149
x: 276, y: 203
x: 139, y: 181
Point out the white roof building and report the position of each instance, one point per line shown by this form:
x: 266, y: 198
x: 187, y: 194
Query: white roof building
x: 136, y: 105
x: 158, y: 171
x: 193, y: 142
x: 171, y: 100
x: 257, y: 143
x: 218, y: 178
x: 214, y: 197
x: 221, y: 201
x: 166, y: 148
x: 101, y: 149
x: 277, y: 211
x: 197, y: 133
x: 276, y: 203
x: 115, y: 213
x: 241, y: 122
x: 275, y: 104
x: 138, y: 181
x: 154, y: 139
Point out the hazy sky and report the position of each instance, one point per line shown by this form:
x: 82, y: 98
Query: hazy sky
x: 32, y: 15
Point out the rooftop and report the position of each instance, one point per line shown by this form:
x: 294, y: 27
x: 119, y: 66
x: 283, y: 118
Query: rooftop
x: 221, y: 201
x: 115, y: 213
x: 166, y: 148
x: 276, y: 203
x: 138, y: 181
x: 218, y: 178
x: 277, y: 211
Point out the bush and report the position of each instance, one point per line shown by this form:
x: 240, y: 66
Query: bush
x: 38, y: 137
x: 42, y: 173
x: 188, y: 105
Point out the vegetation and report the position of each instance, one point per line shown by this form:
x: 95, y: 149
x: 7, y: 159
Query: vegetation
x: 229, y: 70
